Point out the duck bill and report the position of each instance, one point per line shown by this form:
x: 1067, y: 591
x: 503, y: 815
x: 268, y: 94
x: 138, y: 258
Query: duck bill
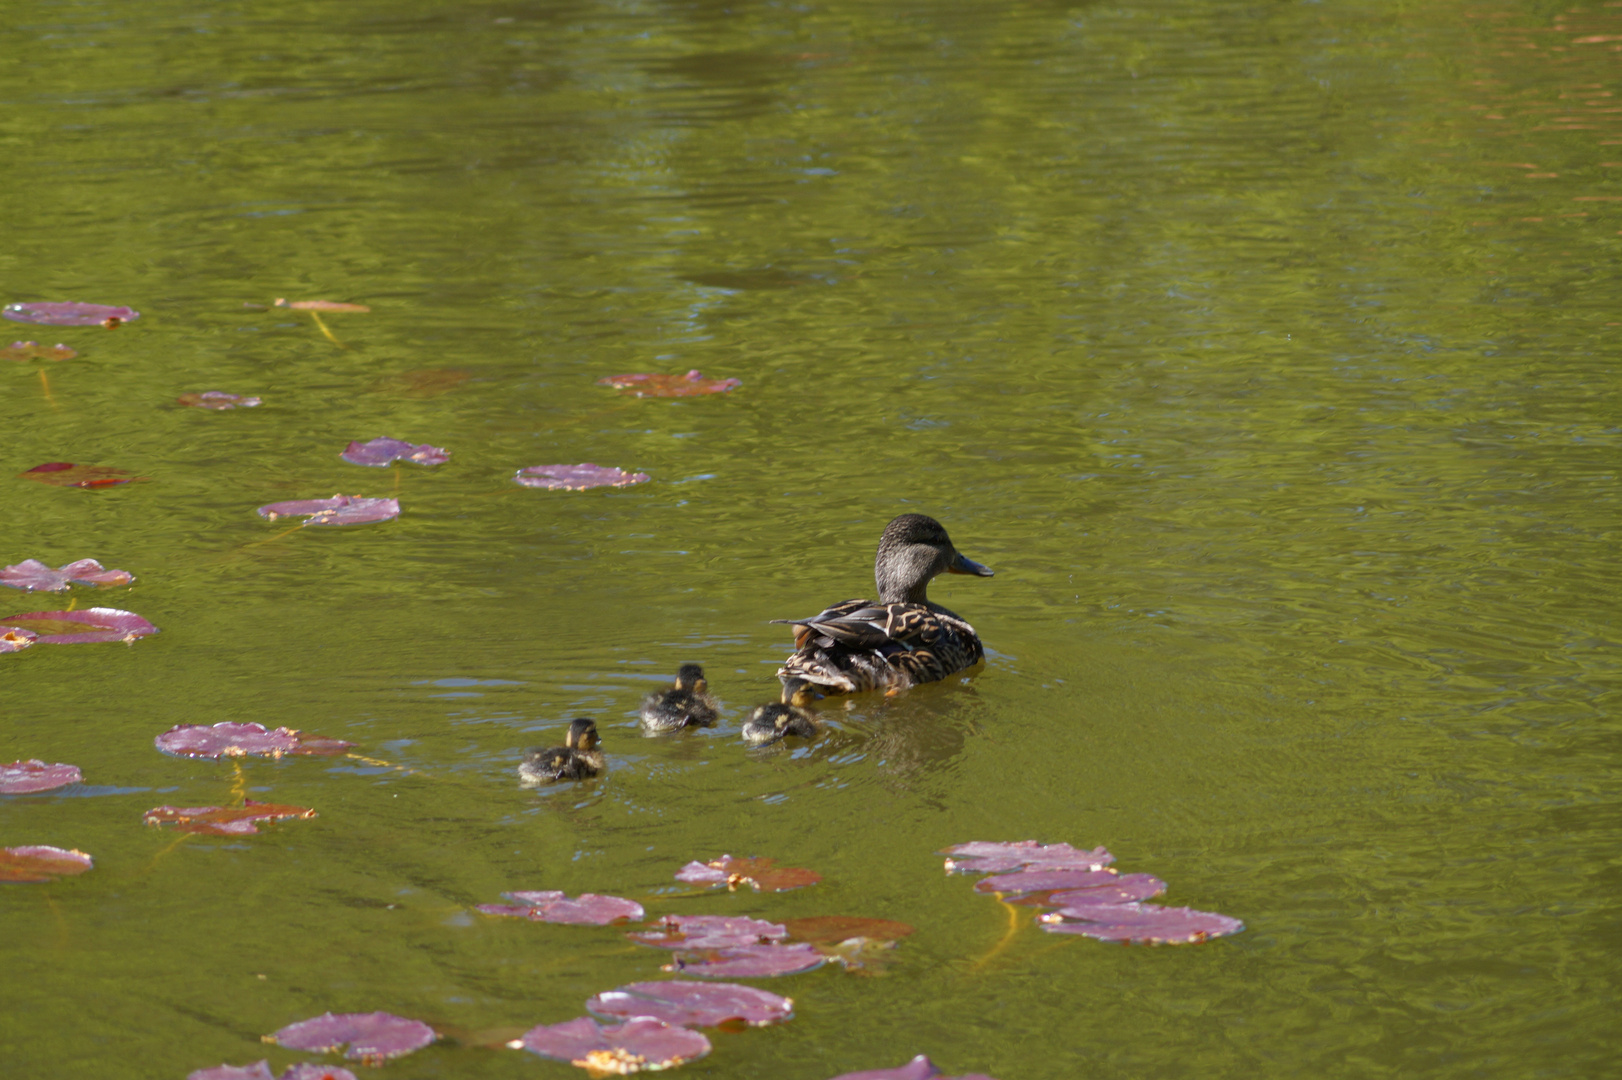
x: 965, y: 565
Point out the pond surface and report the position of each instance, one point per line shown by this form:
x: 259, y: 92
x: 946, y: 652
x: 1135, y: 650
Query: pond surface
x: 1266, y: 351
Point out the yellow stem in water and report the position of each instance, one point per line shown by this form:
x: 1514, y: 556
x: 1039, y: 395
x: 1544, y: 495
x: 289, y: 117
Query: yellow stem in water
x: 45, y: 384
x: 1014, y: 923
x: 328, y: 333
x: 239, y: 782
x: 386, y: 764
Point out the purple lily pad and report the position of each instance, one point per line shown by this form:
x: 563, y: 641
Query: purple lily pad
x: 919, y: 1068
x: 589, y: 909
x: 41, y: 862
x: 338, y: 510
x: 615, y: 1048
x: 31, y: 575
x: 381, y: 451
x: 68, y: 313
x: 52, y: 627
x: 691, y: 1004
x: 27, y: 777
x: 747, y: 961
x: 577, y: 477
x: 1125, y: 889
x: 1144, y: 923
x: 372, y: 1038
x: 306, y: 1070
x: 218, y: 400
x: 1029, y: 881
x: 710, y: 932
x: 761, y: 873
x: 223, y: 820
x: 16, y: 639
x: 982, y: 857
x: 230, y: 739
x: 259, y: 1070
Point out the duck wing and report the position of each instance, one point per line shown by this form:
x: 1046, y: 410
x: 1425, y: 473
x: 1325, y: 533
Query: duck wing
x: 863, y: 624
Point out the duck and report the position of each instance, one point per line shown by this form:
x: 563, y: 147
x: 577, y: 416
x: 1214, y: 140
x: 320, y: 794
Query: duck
x: 769, y: 723
x: 686, y: 704
x: 577, y: 759
x: 900, y: 641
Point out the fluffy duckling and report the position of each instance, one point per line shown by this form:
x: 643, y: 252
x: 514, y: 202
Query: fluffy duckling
x: 769, y: 723
x: 686, y: 704
x: 577, y: 759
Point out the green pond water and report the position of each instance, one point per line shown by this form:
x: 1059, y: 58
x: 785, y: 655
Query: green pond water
x: 1267, y: 351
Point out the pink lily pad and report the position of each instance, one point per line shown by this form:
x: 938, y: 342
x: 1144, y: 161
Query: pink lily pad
x: 919, y: 1068
x: 338, y: 510
x: 33, y: 350
x: 218, y: 400
x: 589, y: 909
x: 691, y: 1004
x: 16, y: 639
x: 747, y: 961
x: 41, y: 862
x: 31, y: 575
x: 760, y: 873
x: 57, y: 627
x: 259, y: 1070
x: 223, y: 820
x: 333, y: 306
x: 691, y: 384
x: 231, y: 739
x: 382, y: 451
x: 1148, y: 924
x: 1028, y: 881
x: 372, y: 1038
x: 620, y: 1049
x: 306, y: 1070
x: 577, y: 477
x: 1125, y: 889
x: 709, y: 932
x: 991, y: 858
x: 67, y: 313
x: 67, y: 474
x: 27, y: 777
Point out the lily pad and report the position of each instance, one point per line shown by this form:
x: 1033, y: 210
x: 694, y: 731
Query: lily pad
x: 223, y: 820
x: 1125, y: 889
x: 307, y: 1070
x: 338, y: 510
x: 321, y: 305
x: 41, y: 862
x: 31, y: 575
x: 762, y: 874
x: 747, y: 961
x: 427, y: 382
x: 67, y: 313
x: 1028, y: 881
x: 232, y: 739
x: 620, y: 1049
x: 828, y: 929
x: 33, y: 350
x: 372, y: 1038
x: 259, y: 1070
x: 59, y: 627
x: 218, y: 400
x: 1148, y: 924
x: 691, y: 384
x: 692, y: 1004
x: 919, y: 1068
x: 577, y: 477
x: 16, y: 639
x: 589, y: 909
x: 709, y: 932
x: 381, y: 451
x: 27, y: 777
x: 991, y: 858
x: 67, y: 474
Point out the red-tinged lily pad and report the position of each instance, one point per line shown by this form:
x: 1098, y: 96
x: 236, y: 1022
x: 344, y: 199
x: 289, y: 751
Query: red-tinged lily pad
x: 709, y: 932
x: 338, y: 510
x: 33, y: 350
x: 691, y: 384
x: 589, y: 909
x: 829, y: 929
x: 1125, y: 889
x: 41, y: 862
x: 1044, y: 881
x: 31, y: 575
x: 919, y: 1068
x: 427, y: 382
x: 691, y: 1004
x: 61, y: 627
x: 223, y: 820
x: 371, y: 1037
x: 232, y: 739
x: 760, y: 873
x: 992, y: 858
x: 577, y: 477
x: 27, y: 777
x: 747, y: 961
x: 218, y: 400
x: 382, y: 451
x: 15, y: 639
x: 67, y: 474
x: 619, y: 1049
x: 67, y: 313
x: 1148, y: 924
x: 321, y: 305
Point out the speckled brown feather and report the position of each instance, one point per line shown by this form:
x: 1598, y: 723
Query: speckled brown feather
x: 859, y: 645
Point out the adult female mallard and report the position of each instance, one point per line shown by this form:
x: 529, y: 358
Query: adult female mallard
x: 902, y: 640
x: 686, y: 704
x: 577, y: 759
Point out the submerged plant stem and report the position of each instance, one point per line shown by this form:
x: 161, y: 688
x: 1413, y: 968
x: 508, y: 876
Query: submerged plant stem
x: 45, y: 384
x: 1014, y: 923
x: 239, y: 782
x: 328, y: 333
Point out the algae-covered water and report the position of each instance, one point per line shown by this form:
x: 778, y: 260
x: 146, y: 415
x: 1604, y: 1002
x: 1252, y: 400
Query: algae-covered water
x: 1268, y: 353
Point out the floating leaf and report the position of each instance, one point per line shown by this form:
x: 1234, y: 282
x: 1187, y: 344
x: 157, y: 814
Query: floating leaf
x: 1028, y: 881
x: 67, y: 474
x: 31, y: 575
x: 919, y: 1068
x: 231, y: 739
x: 27, y: 777
x: 338, y: 510
x: 747, y: 961
x: 33, y: 350
x: 1148, y: 924
x: 589, y: 909
x: 61, y: 627
x: 321, y: 305
x: 372, y: 1038
x: 1125, y: 889
x: 259, y: 1070
x: 709, y: 932
x: 827, y: 929
x: 218, y: 400
x: 306, y: 1070
x: 693, y: 1004
x: 223, y: 820
x: 760, y: 873
x: 633, y: 1046
x: 867, y: 956
x: 691, y: 384
x: 41, y: 862
x: 381, y: 451
x: 576, y: 477
x: 428, y: 382
x: 66, y: 313
x: 15, y: 639
x: 990, y: 858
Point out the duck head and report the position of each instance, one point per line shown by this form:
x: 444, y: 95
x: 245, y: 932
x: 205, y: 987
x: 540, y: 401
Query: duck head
x: 912, y: 551
x: 690, y: 677
x: 582, y: 735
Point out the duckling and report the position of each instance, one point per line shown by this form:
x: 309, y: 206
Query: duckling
x: 769, y: 723
x: 577, y: 759
x: 686, y: 704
